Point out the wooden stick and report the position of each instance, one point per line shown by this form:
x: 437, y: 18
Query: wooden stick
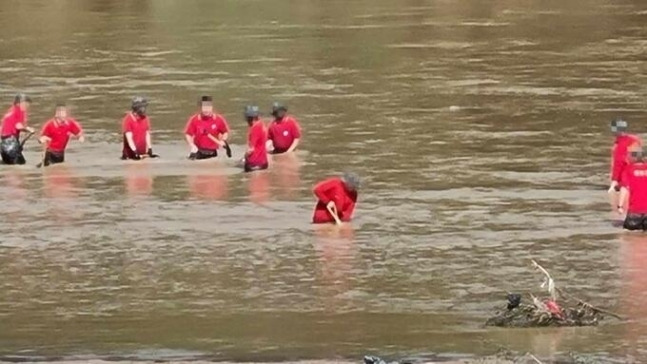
x: 586, y: 304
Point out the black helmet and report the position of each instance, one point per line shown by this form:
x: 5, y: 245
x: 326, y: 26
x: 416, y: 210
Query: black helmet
x: 351, y: 180
x: 205, y: 99
x: 251, y: 111
x: 139, y: 102
x: 619, y: 125
x: 277, y: 106
x: 21, y: 98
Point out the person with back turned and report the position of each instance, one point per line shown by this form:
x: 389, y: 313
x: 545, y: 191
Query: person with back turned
x: 206, y: 132
x: 256, y: 154
x: 284, y: 131
x: 56, y: 133
x: 633, y: 191
x: 336, y: 199
x: 135, y: 128
x: 619, y: 154
x: 13, y: 123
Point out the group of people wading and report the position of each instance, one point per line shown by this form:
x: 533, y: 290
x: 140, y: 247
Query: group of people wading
x: 206, y: 133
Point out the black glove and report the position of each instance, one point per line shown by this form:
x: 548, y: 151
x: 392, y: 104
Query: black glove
x: 193, y: 156
x: 136, y: 156
x: 151, y: 154
x: 228, y: 150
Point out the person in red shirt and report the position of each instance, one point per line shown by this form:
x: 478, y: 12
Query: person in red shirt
x: 619, y: 153
x: 206, y: 131
x: 336, y: 199
x: 13, y: 123
x: 256, y: 155
x: 634, y: 191
x: 284, y: 131
x: 56, y: 133
x: 136, y: 132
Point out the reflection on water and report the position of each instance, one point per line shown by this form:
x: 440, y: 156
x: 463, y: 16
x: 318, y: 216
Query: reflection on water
x: 480, y: 129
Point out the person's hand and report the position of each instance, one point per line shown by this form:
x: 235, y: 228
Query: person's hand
x: 614, y: 185
x: 621, y: 211
x: 82, y: 139
x: 194, y: 149
x: 30, y: 129
x: 331, y: 205
x: 151, y: 154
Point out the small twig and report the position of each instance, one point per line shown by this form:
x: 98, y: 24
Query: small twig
x: 535, y: 358
x: 586, y: 304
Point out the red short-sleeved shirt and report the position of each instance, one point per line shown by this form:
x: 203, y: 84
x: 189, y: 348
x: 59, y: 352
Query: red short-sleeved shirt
x: 257, y: 139
x: 634, y: 178
x: 282, y: 133
x: 138, y: 126
x: 13, y: 116
x: 619, y: 153
x: 59, y: 132
x: 200, y: 127
x: 333, y: 189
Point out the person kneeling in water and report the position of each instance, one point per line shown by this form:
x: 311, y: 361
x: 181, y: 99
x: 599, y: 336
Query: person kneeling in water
x: 256, y: 155
x: 13, y: 123
x: 336, y: 199
x: 634, y: 188
x: 56, y: 133
x: 206, y: 131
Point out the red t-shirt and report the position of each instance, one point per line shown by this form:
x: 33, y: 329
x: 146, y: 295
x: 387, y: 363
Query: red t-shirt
x: 200, y: 127
x: 333, y: 189
x: 256, y: 139
x: 138, y: 126
x: 59, y: 133
x: 634, y: 178
x: 283, y: 133
x: 619, y: 154
x: 13, y: 116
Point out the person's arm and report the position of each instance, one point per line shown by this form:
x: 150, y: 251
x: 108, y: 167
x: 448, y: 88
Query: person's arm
x: 149, y: 145
x: 296, y: 131
x: 622, y: 201
x: 78, y: 131
x: 130, y: 141
x: 189, y: 140
x: 23, y: 127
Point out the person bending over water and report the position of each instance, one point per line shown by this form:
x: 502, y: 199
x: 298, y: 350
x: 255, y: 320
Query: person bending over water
x: 206, y: 131
x: 13, y: 123
x: 619, y: 154
x: 284, y: 131
x: 56, y: 133
x: 634, y: 191
x: 256, y: 154
x: 336, y: 199
x: 136, y: 132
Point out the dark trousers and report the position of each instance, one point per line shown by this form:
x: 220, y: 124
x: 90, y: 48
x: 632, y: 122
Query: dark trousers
x: 11, y: 151
x: 635, y: 222
x: 53, y: 158
x: 251, y: 168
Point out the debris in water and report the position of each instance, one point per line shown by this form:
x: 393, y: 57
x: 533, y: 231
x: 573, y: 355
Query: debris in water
x: 559, y: 309
x: 454, y: 108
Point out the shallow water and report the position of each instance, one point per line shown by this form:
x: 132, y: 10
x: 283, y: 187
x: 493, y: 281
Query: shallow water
x: 480, y: 129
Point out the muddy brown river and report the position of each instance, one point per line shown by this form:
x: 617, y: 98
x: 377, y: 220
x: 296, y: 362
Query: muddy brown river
x: 480, y: 129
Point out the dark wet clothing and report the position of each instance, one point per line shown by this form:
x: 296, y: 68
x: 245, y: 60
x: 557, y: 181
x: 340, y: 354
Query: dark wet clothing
x: 53, y: 158
x: 11, y: 150
x: 636, y: 222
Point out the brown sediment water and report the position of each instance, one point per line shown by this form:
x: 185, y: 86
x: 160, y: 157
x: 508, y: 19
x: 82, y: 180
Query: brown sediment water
x: 480, y: 129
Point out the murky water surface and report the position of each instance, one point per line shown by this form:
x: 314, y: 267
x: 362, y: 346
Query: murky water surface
x: 480, y: 128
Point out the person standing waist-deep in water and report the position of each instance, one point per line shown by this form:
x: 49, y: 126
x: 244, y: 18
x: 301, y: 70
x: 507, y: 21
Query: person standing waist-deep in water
x: 619, y: 153
x: 284, y: 131
x: 634, y: 191
x: 13, y: 123
x: 336, y: 199
x: 256, y: 154
x: 206, y: 131
x: 135, y: 128
x: 56, y: 133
